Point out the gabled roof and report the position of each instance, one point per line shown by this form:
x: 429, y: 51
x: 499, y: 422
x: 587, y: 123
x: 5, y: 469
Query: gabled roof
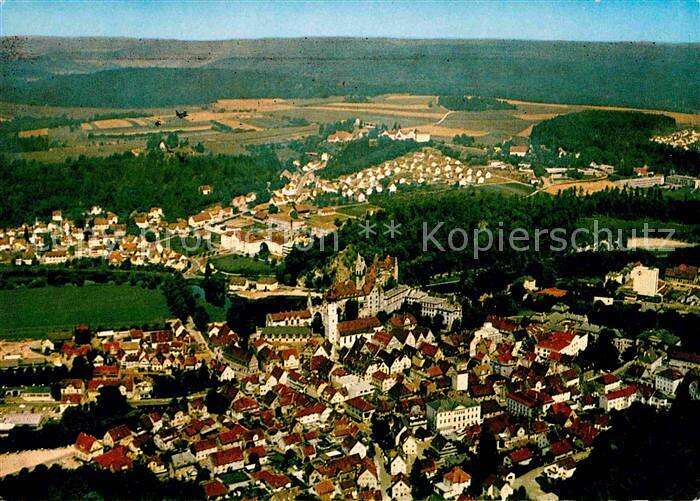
x: 84, y: 442
x: 621, y: 393
x: 119, y: 432
x: 214, y: 489
x: 358, y: 326
x: 222, y: 458
x: 286, y: 315
x: 520, y: 455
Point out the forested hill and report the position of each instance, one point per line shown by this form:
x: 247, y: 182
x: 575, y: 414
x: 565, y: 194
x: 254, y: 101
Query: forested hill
x: 617, y: 138
x: 124, y: 183
x: 163, y: 72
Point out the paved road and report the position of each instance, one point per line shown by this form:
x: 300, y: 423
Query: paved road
x: 163, y: 401
x: 384, y: 477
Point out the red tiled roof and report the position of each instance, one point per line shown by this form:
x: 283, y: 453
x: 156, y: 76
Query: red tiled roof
x: 84, y: 442
x: 607, y: 379
x: 284, y: 315
x: 360, y: 404
x: 557, y: 341
x: 621, y: 393
x: 672, y: 374
x: 683, y: 272
x: 105, y: 370
x: 274, y: 480
x: 119, y: 432
x: 502, y: 324
x: 530, y: 398
x: 685, y: 356
x: 325, y: 488
x: 359, y: 325
x: 308, y: 411
x: 552, y: 292
x: 214, y: 489
x: 245, y: 404
x: 561, y: 447
x: 228, y: 456
x: 428, y: 349
x: 115, y: 459
x: 204, y: 445
x: 399, y: 320
x: 520, y: 455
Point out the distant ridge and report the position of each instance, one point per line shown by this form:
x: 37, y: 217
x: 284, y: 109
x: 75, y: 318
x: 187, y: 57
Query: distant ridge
x: 47, y: 70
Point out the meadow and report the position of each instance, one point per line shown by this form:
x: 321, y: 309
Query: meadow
x: 47, y: 311
x: 242, y: 265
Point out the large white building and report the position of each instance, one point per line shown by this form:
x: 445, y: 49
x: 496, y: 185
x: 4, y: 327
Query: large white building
x: 561, y: 343
x: 668, y: 381
x: 618, y: 399
x: 486, y: 332
x: 645, y: 281
x: 430, y: 306
x: 449, y: 415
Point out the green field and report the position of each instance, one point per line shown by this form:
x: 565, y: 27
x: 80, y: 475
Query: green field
x: 28, y: 313
x: 508, y: 188
x: 242, y: 265
x: 357, y: 210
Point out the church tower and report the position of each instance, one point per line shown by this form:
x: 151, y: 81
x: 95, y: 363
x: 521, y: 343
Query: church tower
x: 330, y: 322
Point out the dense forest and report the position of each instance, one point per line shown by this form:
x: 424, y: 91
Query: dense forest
x: 619, y: 138
x: 363, y: 153
x: 123, y: 183
x: 473, y: 103
x: 647, y: 454
x: 477, y: 209
x: 88, y: 482
x: 90, y: 72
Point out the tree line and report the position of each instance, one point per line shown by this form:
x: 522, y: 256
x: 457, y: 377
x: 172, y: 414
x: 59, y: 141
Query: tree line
x: 124, y: 183
x: 472, y: 208
x: 619, y: 138
x: 366, y: 152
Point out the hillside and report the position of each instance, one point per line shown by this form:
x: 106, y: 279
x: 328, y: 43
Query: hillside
x: 615, y: 137
x: 48, y: 70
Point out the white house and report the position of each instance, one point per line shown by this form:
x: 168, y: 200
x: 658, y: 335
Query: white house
x: 449, y: 415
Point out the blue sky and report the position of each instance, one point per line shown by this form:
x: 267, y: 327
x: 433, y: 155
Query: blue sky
x: 604, y: 20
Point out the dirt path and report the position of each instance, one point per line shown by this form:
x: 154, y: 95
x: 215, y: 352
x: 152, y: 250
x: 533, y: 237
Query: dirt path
x: 14, y: 462
x: 444, y: 117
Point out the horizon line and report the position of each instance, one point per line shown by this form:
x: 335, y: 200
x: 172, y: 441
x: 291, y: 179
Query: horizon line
x: 351, y: 37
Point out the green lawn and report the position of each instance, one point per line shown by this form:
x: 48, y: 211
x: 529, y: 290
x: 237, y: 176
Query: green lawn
x: 242, y: 265
x: 508, y: 188
x: 357, y: 210
x: 28, y: 313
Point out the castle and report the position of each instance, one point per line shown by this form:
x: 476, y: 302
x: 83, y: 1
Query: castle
x: 375, y: 289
